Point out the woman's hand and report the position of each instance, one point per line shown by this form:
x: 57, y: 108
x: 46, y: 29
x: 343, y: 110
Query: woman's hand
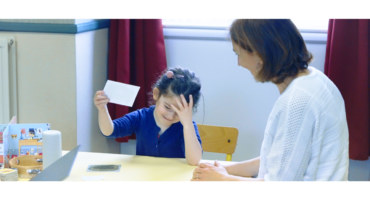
x: 209, y: 172
x: 100, y: 100
x: 185, y: 111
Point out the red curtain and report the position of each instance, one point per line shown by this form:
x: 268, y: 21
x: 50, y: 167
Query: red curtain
x: 136, y: 56
x: 347, y: 65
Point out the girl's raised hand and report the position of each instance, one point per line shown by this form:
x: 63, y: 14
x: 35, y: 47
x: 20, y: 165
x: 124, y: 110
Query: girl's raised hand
x: 185, y: 111
x: 100, y: 100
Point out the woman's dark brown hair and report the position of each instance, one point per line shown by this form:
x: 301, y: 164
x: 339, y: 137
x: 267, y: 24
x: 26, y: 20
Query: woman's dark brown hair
x: 277, y: 42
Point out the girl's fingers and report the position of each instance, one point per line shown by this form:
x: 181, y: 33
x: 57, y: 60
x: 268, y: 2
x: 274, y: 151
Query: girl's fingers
x: 101, y: 102
x: 184, y: 100
x: 99, y: 93
x: 174, y: 108
x: 179, y: 104
x: 101, y: 98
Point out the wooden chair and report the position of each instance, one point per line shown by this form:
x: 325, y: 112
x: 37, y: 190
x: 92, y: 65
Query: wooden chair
x: 218, y: 139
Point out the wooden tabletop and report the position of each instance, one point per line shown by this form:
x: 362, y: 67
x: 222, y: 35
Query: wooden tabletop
x: 133, y: 168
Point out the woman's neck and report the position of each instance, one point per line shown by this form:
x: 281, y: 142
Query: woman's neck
x: 282, y: 86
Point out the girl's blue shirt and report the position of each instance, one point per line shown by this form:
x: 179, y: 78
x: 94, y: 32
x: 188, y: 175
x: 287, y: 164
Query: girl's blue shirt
x: 170, y: 144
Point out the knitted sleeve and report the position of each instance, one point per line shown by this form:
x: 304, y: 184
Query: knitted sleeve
x: 290, y: 150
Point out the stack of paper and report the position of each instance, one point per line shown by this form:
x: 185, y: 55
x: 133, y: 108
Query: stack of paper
x: 8, y: 174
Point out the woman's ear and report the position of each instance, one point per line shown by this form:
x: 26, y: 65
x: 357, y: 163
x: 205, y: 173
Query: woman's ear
x: 259, y: 64
x: 156, y: 93
x: 259, y: 60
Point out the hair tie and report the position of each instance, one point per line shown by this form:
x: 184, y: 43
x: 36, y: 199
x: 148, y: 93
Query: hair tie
x: 169, y: 74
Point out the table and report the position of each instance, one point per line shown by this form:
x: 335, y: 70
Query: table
x: 133, y: 168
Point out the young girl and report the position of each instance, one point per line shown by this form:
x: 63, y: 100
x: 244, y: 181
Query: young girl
x: 165, y: 129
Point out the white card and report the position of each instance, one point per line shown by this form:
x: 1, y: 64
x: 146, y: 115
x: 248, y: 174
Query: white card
x: 120, y: 93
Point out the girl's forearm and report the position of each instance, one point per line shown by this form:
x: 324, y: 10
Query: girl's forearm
x: 105, y: 122
x: 193, y: 150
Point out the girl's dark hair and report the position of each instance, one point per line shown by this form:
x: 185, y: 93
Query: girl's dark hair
x: 277, y: 42
x: 183, y: 82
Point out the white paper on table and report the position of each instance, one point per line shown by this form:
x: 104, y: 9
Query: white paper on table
x: 92, y: 178
x: 121, y: 93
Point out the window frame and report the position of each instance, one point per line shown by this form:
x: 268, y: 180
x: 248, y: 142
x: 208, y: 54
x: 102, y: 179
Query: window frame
x: 311, y: 34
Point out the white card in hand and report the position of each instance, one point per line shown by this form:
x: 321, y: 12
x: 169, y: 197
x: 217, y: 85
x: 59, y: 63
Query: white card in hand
x: 120, y: 93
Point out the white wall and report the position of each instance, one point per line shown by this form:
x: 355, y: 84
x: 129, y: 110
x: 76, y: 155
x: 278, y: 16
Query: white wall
x: 91, y: 75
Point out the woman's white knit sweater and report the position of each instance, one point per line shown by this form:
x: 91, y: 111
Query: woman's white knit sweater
x: 306, y: 136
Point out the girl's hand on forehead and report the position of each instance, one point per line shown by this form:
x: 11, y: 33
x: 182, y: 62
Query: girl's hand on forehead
x: 185, y: 111
x: 100, y: 100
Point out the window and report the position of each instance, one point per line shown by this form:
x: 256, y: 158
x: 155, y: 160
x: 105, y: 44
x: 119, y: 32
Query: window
x: 312, y: 30
x: 304, y: 25
x: 197, y: 23
x: 311, y: 25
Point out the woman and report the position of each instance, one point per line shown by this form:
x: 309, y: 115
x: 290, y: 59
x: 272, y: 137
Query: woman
x: 306, y: 136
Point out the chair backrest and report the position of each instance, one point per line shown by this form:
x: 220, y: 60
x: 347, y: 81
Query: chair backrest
x: 218, y: 139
